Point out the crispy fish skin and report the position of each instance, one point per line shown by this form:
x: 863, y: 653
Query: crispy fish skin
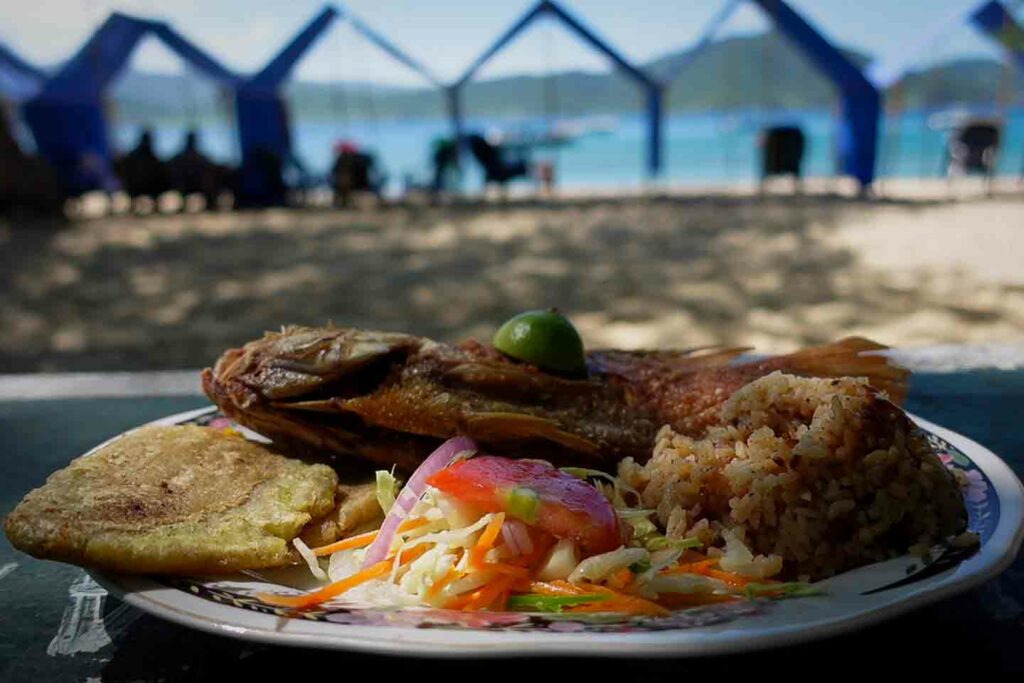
x: 391, y: 398
x: 173, y: 500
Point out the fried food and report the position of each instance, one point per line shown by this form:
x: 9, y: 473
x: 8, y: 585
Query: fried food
x: 356, y: 510
x: 173, y: 500
x: 392, y: 398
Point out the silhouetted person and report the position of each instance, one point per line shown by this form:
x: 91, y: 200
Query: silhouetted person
x: 192, y: 172
x: 498, y: 168
x: 26, y: 182
x: 445, y: 158
x: 271, y: 166
x: 141, y: 172
x: 353, y: 171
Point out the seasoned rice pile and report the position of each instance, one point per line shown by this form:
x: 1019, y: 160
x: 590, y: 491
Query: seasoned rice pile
x: 804, y: 478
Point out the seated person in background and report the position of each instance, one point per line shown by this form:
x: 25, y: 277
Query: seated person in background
x: 192, y: 172
x: 494, y: 158
x: 353, y: 171
x: 142, y: 174
x: 26, y: 182
x: 782, y: 153
x: 445, y: 157
x: 973, y: 147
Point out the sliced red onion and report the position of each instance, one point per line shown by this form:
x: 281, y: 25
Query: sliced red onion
x: 411, y: 493
x: 510, y: 539
x: 522, y: 537
x: 516, y: 537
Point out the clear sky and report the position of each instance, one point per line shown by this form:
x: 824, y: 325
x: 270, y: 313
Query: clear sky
x: 448, y: 34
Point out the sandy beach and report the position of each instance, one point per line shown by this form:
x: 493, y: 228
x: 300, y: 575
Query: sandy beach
x: 678, y: 269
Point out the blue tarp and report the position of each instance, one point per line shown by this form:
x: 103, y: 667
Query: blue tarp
x: 994, y: 19
x: 19, y: 80
x: 66, y: 116
x: 861, y: 102
x: 263, y: 129
x: 653, y: 90
x: 989, y: 17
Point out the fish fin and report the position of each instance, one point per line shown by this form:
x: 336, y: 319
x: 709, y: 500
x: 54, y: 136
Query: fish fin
x: 325, y: 405
x: 507, y: 379
x: 849, y: 357
x: 499, y: 425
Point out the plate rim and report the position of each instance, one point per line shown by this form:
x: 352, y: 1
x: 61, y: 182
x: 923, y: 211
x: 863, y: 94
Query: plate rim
x: 152, y: 597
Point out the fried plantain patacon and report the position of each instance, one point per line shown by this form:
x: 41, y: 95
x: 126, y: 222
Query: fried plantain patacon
x: 174, y: 500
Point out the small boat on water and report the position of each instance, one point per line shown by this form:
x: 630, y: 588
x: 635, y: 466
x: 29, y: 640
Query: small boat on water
x: 557, y: 134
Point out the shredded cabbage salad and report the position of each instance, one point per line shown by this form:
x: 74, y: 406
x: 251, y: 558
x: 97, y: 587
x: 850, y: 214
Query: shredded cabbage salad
x: 504, y: 535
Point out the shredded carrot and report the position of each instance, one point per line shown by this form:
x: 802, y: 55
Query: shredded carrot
x: 363, y: 540
x: 329, y: 591
x: 501, y: 602
x: 439, y: 585
x: 624, y: 602
x: 520, y: 586
x: 477, y: 598
x: 506, y: 569
x: 338, y: 587
x: 360, y: 541
x: 410, y: 554
x: 620, y: 579
x: 484, y: 597
x: 691, y: 567
x: 486, y: 540
x: 706, y: 568
x: 412, y: 523
x: 730, y: 578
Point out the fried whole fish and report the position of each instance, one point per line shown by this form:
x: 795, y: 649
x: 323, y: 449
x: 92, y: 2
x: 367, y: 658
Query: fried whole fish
x: 391, y: 398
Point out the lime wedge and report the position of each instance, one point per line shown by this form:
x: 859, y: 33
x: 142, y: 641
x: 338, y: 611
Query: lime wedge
x: 546, y: 339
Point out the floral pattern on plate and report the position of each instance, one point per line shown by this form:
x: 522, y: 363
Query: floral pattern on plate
x: 983, y: 517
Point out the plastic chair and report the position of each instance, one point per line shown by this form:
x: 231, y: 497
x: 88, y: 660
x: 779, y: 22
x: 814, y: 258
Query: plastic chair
x: 496, y: 168
x: 974, y: 148
x: 782, y: 153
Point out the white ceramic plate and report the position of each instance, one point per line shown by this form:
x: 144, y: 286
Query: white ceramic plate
x: 223, y: 605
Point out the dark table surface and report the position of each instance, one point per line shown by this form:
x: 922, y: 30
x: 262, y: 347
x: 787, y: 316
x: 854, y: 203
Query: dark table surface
x: 46, y: 607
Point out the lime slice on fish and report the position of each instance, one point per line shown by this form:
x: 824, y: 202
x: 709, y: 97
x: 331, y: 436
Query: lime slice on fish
x: 546, y: 339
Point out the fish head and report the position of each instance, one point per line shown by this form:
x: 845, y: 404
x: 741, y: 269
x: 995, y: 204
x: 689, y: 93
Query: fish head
x: 302, y: 362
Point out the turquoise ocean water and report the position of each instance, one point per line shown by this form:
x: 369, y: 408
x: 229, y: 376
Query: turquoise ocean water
x: 701, y: 148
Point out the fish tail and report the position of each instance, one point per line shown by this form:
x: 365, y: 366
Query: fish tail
x: 849, y: 357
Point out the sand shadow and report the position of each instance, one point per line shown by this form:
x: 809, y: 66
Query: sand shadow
x: 174, y: 291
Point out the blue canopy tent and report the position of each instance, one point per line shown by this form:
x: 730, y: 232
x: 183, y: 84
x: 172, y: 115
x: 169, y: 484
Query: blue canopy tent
x: 995, y: 20
x: 653, y: 90
x: 263, y: 128
x: 66, y: 116
x: 860, y: 100
x: 990, y: 17
x: 19, y: 80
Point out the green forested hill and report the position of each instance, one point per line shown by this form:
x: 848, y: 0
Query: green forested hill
x: 748, y: 71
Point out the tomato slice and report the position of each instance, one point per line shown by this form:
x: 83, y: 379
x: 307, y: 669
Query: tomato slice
x: 536, y: 493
